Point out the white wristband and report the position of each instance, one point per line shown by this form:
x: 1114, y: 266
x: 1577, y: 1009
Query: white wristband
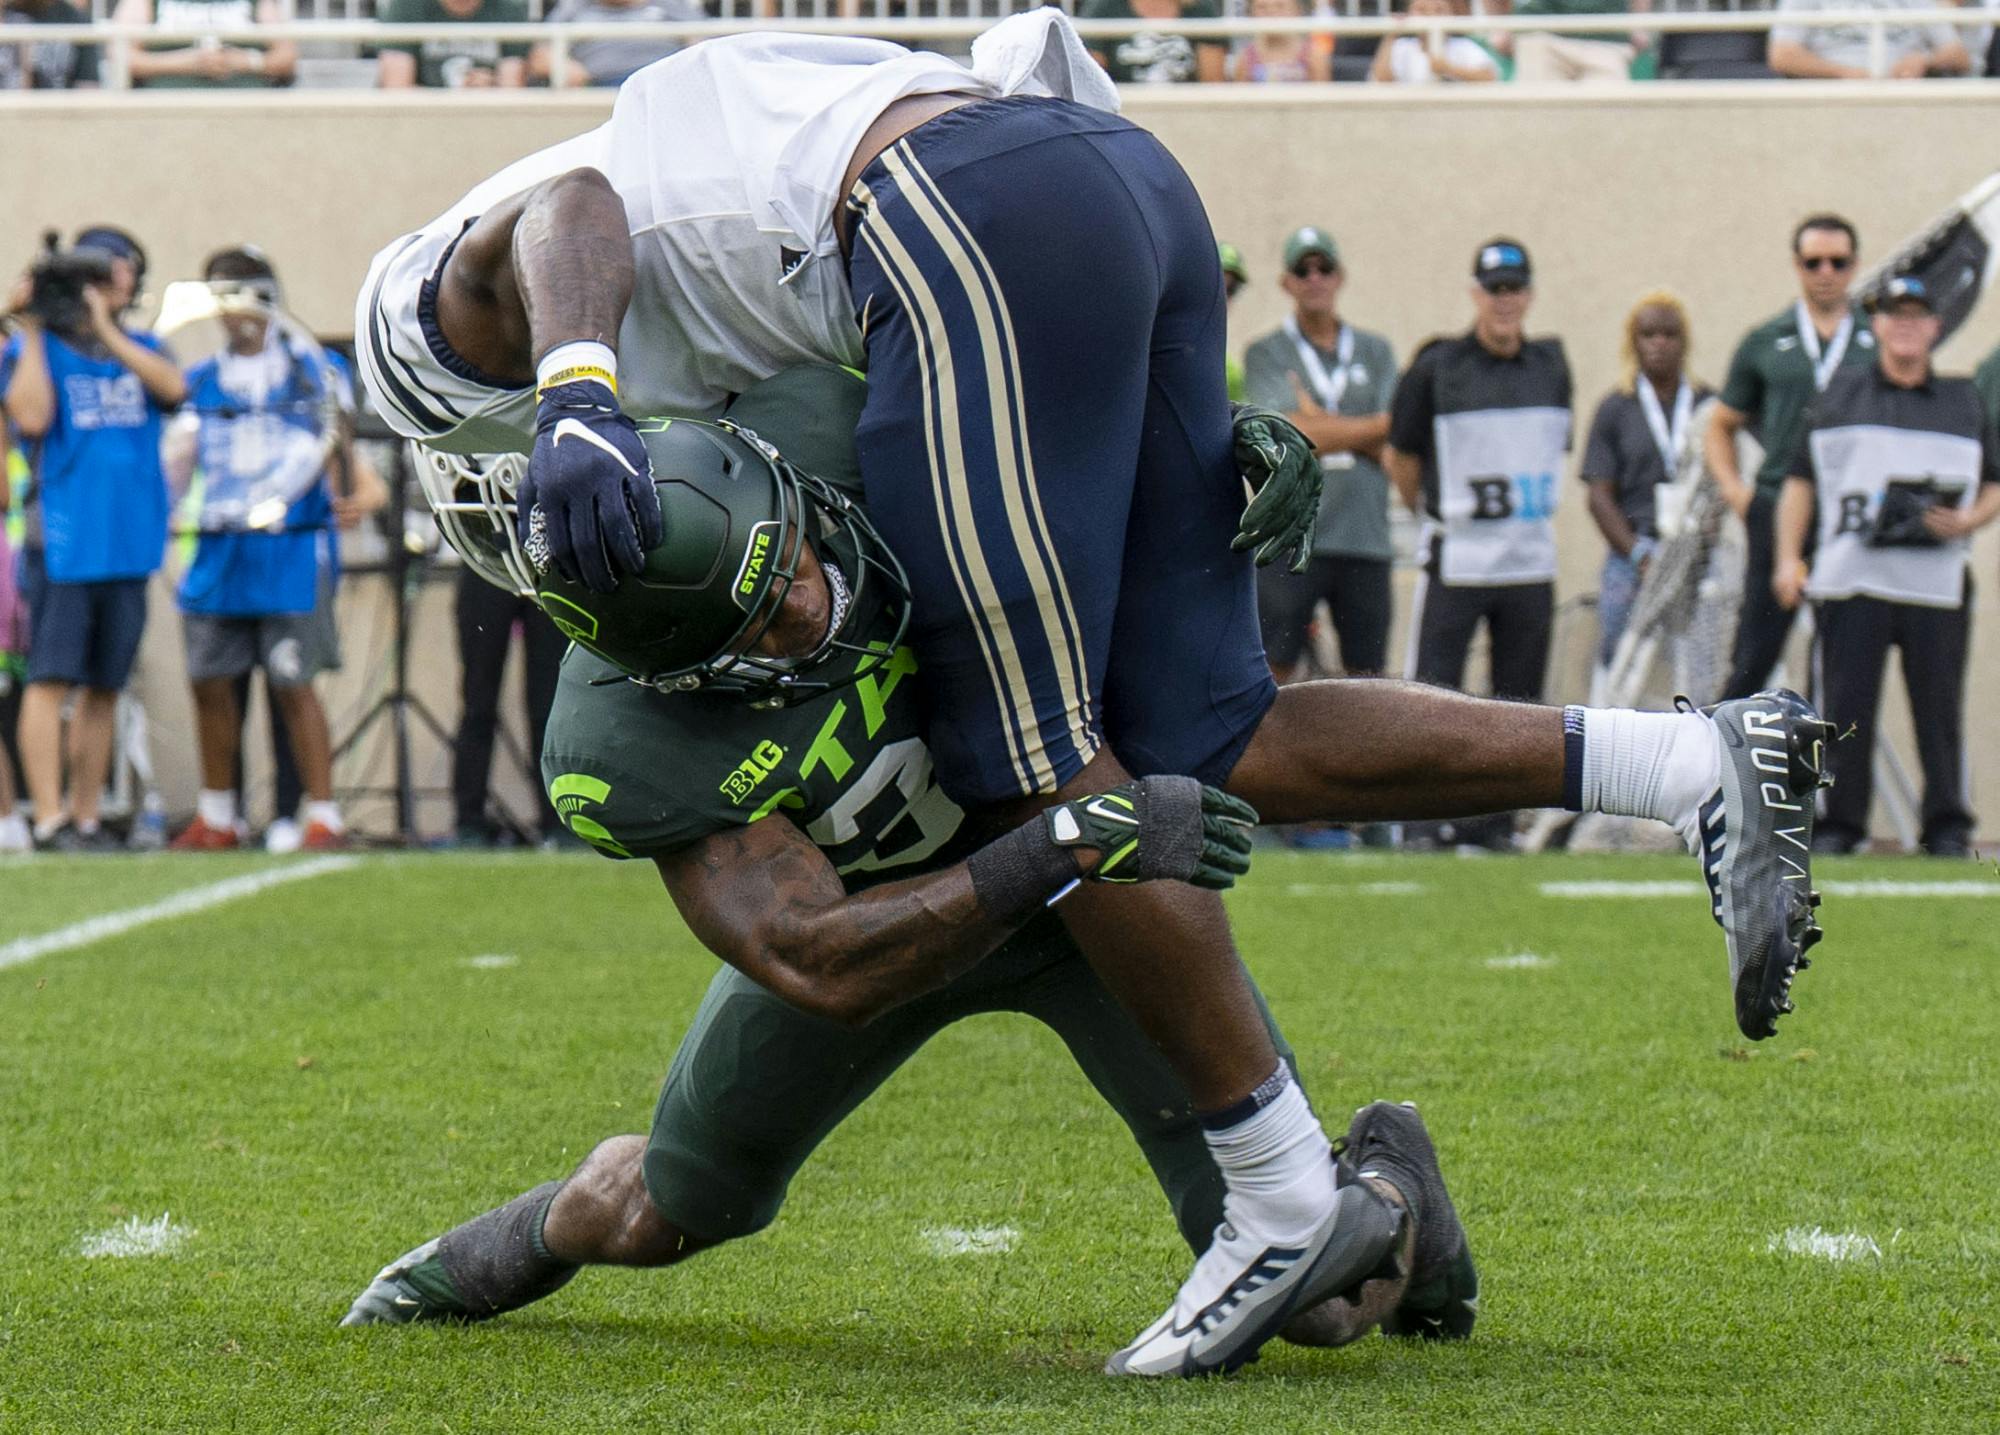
x: 582, y: 361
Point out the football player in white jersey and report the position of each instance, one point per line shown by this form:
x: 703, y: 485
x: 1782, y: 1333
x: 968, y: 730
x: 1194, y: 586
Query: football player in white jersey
x: 1046, y: 444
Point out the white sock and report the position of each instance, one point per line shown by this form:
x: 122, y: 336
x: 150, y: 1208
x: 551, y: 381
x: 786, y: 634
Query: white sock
x: 216, y: 809
x: 45, y: 830
x: 1276, y: 1162
x: 326, y: 814
x: 1659, y: 765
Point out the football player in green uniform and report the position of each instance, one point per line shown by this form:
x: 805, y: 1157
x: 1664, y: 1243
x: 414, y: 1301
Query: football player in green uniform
x: 763, y: 638
x: 785, y: 833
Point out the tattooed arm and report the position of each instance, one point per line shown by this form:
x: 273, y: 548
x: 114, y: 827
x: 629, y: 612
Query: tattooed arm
x: 765, y: 899
x: 548, y: 266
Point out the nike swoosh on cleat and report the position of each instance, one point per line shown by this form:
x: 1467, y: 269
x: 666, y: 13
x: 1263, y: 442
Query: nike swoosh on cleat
x: 576, y: 428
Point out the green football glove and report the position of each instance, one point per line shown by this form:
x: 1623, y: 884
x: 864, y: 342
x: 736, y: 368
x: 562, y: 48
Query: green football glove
x: 1283, y: 472
x: 1171, y: 827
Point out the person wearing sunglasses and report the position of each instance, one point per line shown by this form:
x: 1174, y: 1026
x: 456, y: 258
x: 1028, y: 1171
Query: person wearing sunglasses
x: 1478, y: 432
x: 1778, y: 369
x: 1335, y: 382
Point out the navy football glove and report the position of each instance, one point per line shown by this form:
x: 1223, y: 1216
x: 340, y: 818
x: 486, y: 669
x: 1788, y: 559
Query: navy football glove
x: 591, y: 478
x: 1279, y: 464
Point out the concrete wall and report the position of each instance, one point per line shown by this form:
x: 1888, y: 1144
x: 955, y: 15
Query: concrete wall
x: 1690, y: 187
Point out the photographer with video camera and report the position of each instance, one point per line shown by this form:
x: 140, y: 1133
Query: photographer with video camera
x: 1901, y: 465
x: 86, y: 397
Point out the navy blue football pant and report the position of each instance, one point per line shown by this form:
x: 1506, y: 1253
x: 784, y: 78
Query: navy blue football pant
x: 1046, y: 446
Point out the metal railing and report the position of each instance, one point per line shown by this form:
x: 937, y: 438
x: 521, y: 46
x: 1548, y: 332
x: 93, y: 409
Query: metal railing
x: 118, y: 40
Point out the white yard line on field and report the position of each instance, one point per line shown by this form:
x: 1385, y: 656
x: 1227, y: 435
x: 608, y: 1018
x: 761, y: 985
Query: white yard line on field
x: 180, y: 904
x: 1823, y: 1244
x: 964, y: 1241
x: 134, y: 1237
x: 1870, y: 888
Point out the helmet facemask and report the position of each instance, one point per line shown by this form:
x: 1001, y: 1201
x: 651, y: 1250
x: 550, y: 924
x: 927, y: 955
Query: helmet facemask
x: 731, y: 590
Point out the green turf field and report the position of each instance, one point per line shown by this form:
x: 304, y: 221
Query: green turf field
x: 316, y: 1076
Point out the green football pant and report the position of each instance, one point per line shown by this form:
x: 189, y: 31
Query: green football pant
x: 758, y: 1084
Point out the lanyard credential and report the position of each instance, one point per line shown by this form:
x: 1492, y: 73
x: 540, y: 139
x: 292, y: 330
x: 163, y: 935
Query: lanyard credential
x: 1824, y: 364
x: 1666, y: 438
x: 1328, y: 389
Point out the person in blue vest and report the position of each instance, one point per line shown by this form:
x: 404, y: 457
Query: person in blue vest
x: 259, y: 591
x: 86, y: 397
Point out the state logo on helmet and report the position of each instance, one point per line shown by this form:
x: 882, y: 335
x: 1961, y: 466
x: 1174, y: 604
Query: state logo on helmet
x: 739, y: 521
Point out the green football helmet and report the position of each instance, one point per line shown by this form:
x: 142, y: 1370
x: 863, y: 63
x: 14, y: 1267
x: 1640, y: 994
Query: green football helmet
x: 738, y: 519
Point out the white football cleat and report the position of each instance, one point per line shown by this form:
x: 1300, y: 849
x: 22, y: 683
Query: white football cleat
x: 1244, y: 1289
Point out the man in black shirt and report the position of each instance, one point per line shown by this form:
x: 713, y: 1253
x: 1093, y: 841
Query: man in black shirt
x: 1901, y: 466
x: 1477, y: 434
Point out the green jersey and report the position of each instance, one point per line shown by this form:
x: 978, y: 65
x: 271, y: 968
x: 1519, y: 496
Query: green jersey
x: 637, y: 772
x: 445, y: 64
x: 1779, y: 367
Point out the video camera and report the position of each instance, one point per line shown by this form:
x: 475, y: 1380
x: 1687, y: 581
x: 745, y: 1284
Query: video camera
x: 57, y: 281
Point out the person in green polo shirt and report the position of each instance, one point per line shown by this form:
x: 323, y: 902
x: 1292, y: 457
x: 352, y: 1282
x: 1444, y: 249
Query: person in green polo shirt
x: 453, y: 64
x: 1335, y: 382
x: 1986, y: 379
x: 1553, y: 57
x: 1779, y: 368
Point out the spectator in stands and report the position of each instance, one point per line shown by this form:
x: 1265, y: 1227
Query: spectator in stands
x: 610, y: 62
x: 453, y: 64
x: 1548, y: 56
x: 209, y: 64
x: 263, y: 598
x: 1890, y: 566
x: 1777, y: 369
x: 28, y: 64
x: 1335, y: 382
x: 86, y: 397
x: 1409, y: 60
x: 1281, y: 59
x: 1158, y: 59
x: 487, y: 619
x: 1477, y: 434
x: 1841, y: 52
x: 1636, y: 438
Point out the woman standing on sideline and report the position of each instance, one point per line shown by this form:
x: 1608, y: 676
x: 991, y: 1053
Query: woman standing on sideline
x: 1639, y: 429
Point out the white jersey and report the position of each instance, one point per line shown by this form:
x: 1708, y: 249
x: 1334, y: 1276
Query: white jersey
x: 728, y: 157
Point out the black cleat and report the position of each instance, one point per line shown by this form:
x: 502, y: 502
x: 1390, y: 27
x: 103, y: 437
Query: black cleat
x: 1389, y: 1141
x: 1755, y: 839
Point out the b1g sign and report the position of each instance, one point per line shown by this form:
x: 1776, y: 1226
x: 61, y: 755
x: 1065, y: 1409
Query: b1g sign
x: 1497, y: 491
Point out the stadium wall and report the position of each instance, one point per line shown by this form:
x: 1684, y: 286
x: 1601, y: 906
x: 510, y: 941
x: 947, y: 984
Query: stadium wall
x: 1692, y: 187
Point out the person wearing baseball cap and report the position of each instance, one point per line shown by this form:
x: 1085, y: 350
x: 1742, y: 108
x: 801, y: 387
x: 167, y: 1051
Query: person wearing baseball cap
x: 1477, y: 436
x: 1900, y: 465
x: 1334, y: 381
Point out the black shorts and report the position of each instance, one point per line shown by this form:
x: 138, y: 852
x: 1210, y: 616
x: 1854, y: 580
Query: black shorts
x: 86, y: 634
x: 1356, y: 594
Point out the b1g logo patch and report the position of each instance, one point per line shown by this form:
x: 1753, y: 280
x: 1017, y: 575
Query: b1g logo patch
x: 1529, y: 496
x: 761, y: 763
